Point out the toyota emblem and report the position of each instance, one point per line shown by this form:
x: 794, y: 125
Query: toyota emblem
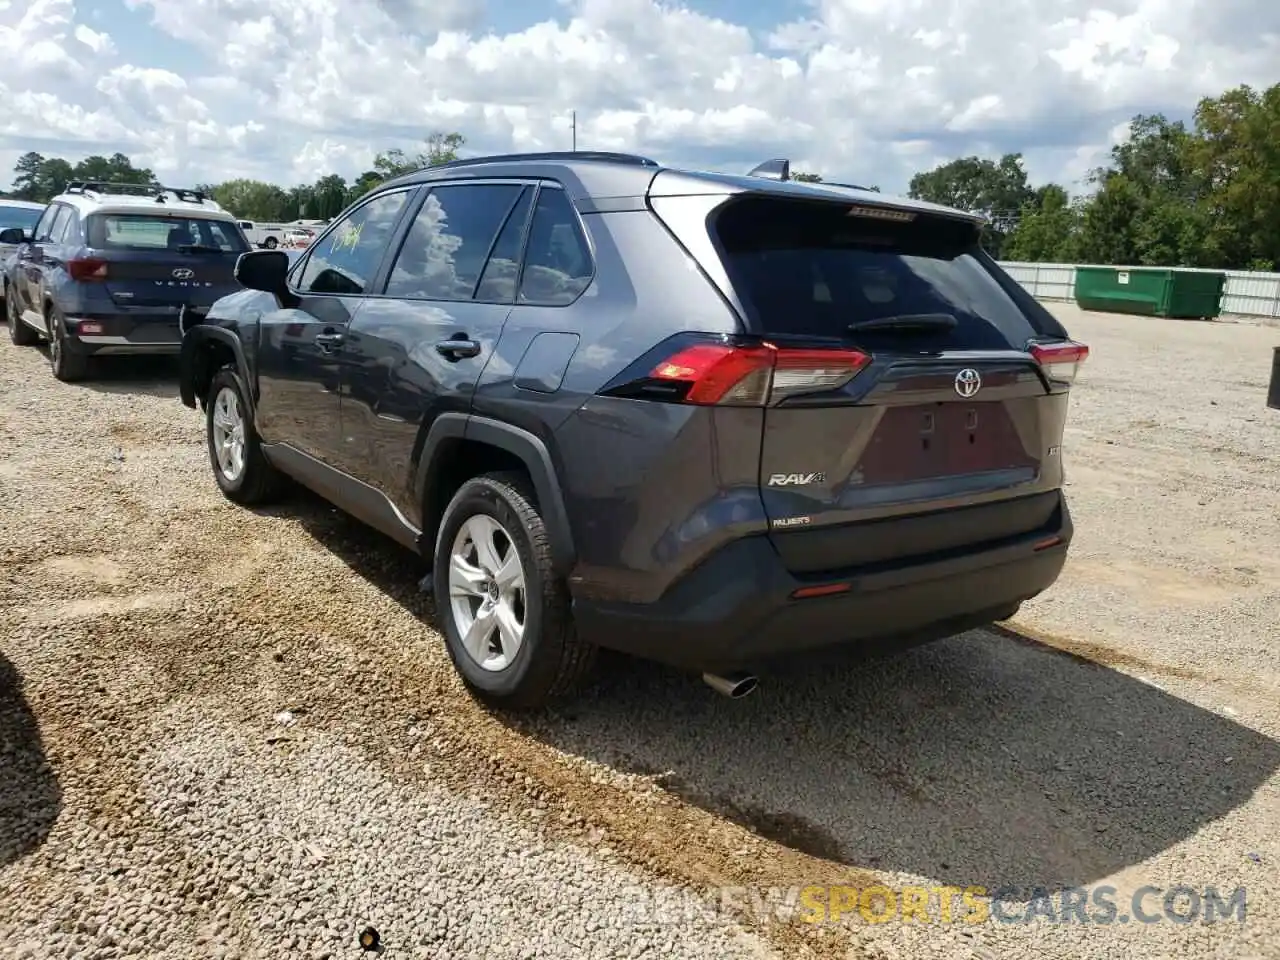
x: 182, y: 273
x: 968, y: 382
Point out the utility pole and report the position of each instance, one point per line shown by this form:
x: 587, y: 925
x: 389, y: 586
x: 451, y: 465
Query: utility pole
x: 575, y: 131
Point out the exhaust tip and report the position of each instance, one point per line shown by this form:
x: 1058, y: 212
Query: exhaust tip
x: 735, y: 686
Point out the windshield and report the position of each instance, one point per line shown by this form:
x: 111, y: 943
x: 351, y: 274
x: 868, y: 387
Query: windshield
x: 121, y: 231
x: 24, y: 217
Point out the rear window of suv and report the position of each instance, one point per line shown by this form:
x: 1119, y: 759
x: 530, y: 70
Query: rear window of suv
x: 118, y: 231
x: 811, y: 268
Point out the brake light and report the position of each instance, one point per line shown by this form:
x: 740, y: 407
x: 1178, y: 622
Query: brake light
x: 87, y: 268
x: 1060, y: 361
x: 721, y: 373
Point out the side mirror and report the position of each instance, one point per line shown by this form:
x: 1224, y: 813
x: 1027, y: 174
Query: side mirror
x: 14, y: 235
x: 266, y: 270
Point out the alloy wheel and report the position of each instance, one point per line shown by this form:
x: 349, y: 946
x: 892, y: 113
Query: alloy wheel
x: 487, y: 592
x: 228, y: 434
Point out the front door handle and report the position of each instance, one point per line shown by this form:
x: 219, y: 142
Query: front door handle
x: 327, y: 341
x: 458, y: 349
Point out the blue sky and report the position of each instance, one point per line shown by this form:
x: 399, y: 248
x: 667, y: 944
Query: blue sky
x: 863, y: 90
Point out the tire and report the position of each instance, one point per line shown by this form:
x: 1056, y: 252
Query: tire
x: 19, y: 332
x: 550, y: 660
x: 270, y: 243
x: 256, y: 481
x: 67, y: 366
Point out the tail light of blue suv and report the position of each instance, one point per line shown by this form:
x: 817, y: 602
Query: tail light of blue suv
x: 726, y: 371
x: 87, y: 269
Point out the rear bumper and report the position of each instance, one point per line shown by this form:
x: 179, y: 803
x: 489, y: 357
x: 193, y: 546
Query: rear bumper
x: 736, y: 610
x: 137, y: 332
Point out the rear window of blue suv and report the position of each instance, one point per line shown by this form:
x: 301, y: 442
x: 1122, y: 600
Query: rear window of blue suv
x: 120, y: 231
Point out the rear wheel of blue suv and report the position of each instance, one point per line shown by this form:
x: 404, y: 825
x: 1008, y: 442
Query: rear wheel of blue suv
x: 711, y: 421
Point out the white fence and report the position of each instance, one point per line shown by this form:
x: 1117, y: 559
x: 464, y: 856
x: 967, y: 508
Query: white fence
x: 1246, y: 294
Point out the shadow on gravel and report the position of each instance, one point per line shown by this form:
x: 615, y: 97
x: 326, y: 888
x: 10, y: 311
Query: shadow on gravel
x: 144, y: 376
x: 30, y: 799
x: 990, y: 758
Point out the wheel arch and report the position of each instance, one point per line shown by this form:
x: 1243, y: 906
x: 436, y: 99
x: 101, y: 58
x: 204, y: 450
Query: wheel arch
x: 205, y: 350
x: 460, y: 446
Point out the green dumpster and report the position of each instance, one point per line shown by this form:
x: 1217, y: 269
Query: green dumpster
x: 1152, y: 291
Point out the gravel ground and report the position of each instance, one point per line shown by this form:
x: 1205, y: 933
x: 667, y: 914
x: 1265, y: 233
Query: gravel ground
x: 228, y: 733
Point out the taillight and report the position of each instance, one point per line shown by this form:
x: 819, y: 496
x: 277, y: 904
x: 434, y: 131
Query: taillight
x: 1060, y: 361
x: 733, y: 374
x: 87, y: 268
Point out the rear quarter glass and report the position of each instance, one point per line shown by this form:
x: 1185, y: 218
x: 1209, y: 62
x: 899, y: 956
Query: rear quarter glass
x: 808, y: 269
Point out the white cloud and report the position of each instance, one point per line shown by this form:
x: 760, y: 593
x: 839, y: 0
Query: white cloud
x: 95, y: 41
x: 864, y: 90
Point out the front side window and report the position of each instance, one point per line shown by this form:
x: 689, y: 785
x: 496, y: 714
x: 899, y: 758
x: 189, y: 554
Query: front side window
x: 557, y: 260
x: 46, y: 221
x: 140, y: 231
x: 346, y: 258
x: 448, y: 245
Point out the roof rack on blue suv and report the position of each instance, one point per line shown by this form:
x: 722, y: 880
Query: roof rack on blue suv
x: 709, y: 419
x: 121, y: 188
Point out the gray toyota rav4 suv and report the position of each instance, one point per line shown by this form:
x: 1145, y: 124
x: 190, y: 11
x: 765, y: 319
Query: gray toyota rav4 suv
x: 710, y: 420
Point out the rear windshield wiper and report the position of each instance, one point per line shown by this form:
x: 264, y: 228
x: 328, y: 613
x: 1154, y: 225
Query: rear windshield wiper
x: 924, y: 322
x: 198, y: 248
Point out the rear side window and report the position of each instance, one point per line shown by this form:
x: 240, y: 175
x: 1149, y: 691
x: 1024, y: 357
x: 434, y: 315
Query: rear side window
x: 68, y: 231
x: 445, y: 250
x: 129, y: 231
x: 557, y: 260
x: 810, y: 269
x: 498, y: 282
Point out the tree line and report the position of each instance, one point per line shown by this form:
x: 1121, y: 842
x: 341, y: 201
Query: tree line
x: 39, y: 178
x: 1172, y: 194
x: 1204, y: 194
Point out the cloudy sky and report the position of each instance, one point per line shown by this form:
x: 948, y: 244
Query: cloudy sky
x: 863, y: 90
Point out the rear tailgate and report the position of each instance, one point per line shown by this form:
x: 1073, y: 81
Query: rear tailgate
x: 943, y: 435
x: 158, y: 260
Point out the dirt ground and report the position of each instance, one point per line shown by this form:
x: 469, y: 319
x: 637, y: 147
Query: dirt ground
x: 234, y: 733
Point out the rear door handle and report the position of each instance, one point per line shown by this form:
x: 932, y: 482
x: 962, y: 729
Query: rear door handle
x: 327, y: 341
x: 458, y: 349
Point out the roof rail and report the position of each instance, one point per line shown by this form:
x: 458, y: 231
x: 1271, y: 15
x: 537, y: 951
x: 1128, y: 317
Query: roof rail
x: 124, y: 188
x: 563, y: 156
x: 772, y: 170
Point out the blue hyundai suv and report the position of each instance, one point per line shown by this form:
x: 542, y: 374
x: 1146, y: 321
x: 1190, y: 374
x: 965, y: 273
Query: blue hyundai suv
x: 117, y: 269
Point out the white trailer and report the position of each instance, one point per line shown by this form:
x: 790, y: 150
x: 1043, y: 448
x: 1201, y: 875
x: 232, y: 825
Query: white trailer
x: 268, y: 235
